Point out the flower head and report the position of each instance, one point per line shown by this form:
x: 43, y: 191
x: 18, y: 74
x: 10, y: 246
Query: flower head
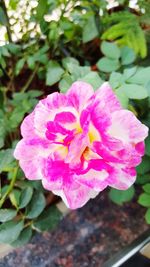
x: 80, y: 143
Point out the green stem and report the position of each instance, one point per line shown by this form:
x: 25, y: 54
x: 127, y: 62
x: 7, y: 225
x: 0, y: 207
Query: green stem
x: 28, y: 223
x: 3, y: 5
x: 10, y: 186
x: 30, y: 79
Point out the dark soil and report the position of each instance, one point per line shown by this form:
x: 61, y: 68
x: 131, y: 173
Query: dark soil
x: 86, y: 237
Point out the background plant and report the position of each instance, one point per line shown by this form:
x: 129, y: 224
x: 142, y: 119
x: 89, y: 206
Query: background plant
x: 46, y: 46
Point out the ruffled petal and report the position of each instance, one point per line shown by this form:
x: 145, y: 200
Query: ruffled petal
x: 56, y: 174
x: 122, y: 179
x: 75, y: 199
x: 79, y: 95
x: 108, y: 100
x: 27, y: 126
x: 127, y: 128
x: 76, y: 149
x: 32, y: 154
x: 47, y: 109
x: 94, y: 179
x: 29, y: 159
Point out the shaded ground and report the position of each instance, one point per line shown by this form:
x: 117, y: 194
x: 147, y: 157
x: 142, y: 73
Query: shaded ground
x: 86, y: 237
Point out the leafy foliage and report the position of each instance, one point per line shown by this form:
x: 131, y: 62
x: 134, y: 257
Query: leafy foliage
x: 144, y: 200
x: 114, y: 58
x: 125, y: 28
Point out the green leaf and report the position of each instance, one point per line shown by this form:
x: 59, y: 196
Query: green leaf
x: 23, y: 238
x: 48, y: 219
x: 142, y: 76
x: 134, y: 91
x: 25, y: 197
x: 41, y: 9
x: 123, y: 99
x: 147, y: 216
x: 110, y: 50
x: 17, y: 97
x: 127, y: 55
x: 34, y: 93
x: 115, y: 79
x: 129, y: 73
x: 119, y: 196
x: 68, y: 60
x: 92, y: 78
x: 65, y: 83
x: 43, y: 50
x: 78, y: 71
x: 4, y: 51
x: 144, y: 200
x: 14, y: 197
x: 90, y: 30
x: 31, y: 62
x: 10, y: 231
x: 141, y: 40
x: 13, y: 4
x: 19, y: 65
x: 42, y: 58
x: 146, y: 188
x: 2, y: 128
x: 6, y: 158
x: 147, y: 146
x: 54, y: 72
x: 16, y: 117
x: 3, y: 19
x: 36, y: 185
x: 147, y: 85
x: 144, y: 167
x: 142, y: 179
x: 14, y: 48
x: 108, y: 65
x: 7, y: 214
x: 36, y: 205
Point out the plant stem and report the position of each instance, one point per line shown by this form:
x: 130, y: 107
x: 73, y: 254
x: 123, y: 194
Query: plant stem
x: 10, y: 186
x: 28, y: 223
x: 25, y: 87
x: 8, y: 28
x: 3, y: 5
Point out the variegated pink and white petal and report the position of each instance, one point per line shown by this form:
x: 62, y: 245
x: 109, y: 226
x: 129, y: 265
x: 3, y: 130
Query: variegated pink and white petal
x: 47, y: 109
x: 108, y: 100
x: 27, y: 126
x: 74, y: 153
x: 30, y: 159
x: 127, y: 128
x: 79, y: 94
x: 75, y: 199
x: 122, y: 179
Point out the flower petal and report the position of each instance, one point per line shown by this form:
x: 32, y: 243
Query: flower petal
x: 94, y: 179
x: 47, y: 109
x: 75, y: 199
x: 27, y: 127
x: 30, y: 163
x: 76, y: 149
x: 122, y: 179
x: 56, y: 172
x: 127, y: 128
x: 108, y: 99
x: 79, y: 94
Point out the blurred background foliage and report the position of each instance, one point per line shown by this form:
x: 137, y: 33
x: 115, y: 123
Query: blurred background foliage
x: 46, y: 45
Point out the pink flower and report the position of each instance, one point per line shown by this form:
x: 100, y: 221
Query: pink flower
x: 80, y: 143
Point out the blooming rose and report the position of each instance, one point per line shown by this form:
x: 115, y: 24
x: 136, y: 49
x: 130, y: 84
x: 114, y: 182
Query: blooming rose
x: 80, y: 143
